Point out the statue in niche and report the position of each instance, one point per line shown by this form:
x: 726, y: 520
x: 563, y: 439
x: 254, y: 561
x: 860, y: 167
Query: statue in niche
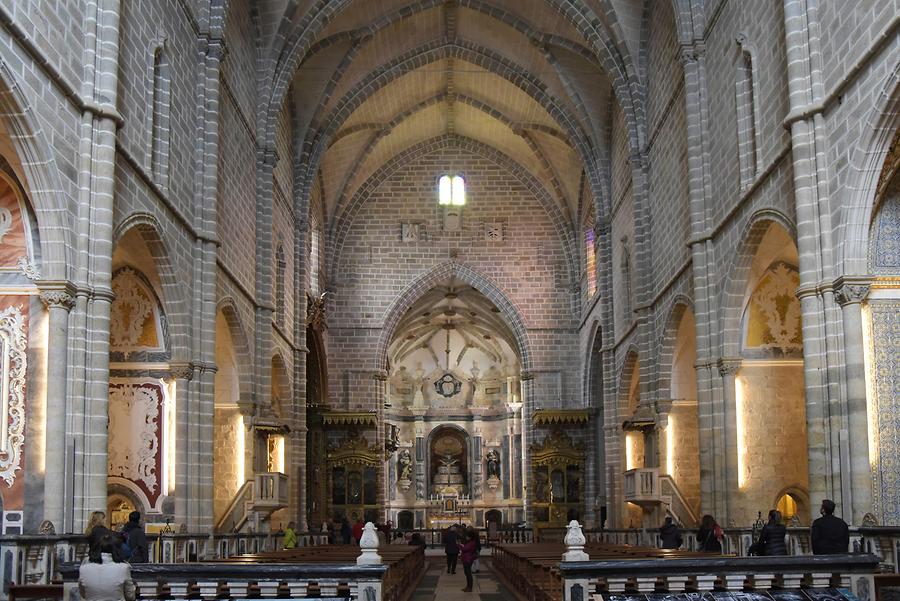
x: 493, y: 464
x: 418, y: 382
x: 404, y: 461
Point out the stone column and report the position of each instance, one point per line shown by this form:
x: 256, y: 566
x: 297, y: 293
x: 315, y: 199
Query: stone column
x: 299, y: 462
x: 728, y: 368
x: 527, y: 379
x: 380, y: 380
x: 58, y: 302
x: 93, y: 242
x: 850, y: 296
x: 822, y: 339
x: 185, y: 468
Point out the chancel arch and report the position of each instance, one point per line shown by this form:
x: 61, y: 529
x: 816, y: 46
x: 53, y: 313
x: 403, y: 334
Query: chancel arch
x: 454, y: 398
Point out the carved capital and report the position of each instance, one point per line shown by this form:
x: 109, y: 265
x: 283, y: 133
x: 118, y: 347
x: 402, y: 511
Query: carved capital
x: 526, y: 376
x: 848, y: 294
x: 182, y: 371
x: 728, y: 366
x: 380, y: 375
x: 57, y: 298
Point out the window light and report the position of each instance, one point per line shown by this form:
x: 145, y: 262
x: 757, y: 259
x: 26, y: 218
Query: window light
x: 451, y: 190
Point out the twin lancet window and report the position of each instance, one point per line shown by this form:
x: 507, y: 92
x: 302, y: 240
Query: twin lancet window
x: 452, y: 190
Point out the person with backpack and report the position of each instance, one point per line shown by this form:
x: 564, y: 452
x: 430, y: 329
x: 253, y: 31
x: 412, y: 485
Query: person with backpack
x: 135, y: 548
x: 710, y: 535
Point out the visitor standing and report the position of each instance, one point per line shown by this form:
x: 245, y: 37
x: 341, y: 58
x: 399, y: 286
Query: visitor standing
x: 358, y: 530
x: 451, y: 548
x: 476, y: 565
x: 96, y: 529
x: 290, y: 536
x: 346, y: 532
x: 771, y: 537
x: 468, y: 552
x: 670, y: 534
x: 829, y: 533
x: 137, y: 550
x: 710, y: 534
x: 104, y: 577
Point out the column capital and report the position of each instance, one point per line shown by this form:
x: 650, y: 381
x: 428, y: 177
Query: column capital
x: 58, y: 299
x: 182, y: 371
x: 525, y: 376
x: 380, y: 375
x: 848, y: 292
x: 729, y: 366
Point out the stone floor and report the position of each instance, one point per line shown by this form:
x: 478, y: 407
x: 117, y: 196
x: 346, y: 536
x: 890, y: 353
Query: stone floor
x: 437, y: 584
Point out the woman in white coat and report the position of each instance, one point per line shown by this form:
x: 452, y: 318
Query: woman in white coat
x: 104, y: 577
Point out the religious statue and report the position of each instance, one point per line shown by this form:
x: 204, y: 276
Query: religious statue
x: 405, y: 462
x: 493, y: 464
x: 448, y: 461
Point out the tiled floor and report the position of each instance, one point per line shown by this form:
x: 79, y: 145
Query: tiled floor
x: 438, y: 585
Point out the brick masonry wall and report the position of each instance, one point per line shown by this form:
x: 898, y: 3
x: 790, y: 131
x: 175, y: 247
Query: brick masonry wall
x: 375, y: 266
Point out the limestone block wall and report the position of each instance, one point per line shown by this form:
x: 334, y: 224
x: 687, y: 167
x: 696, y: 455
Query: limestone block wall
x: 684, y: 446
x: 772, y: 454
x: 228, y: 431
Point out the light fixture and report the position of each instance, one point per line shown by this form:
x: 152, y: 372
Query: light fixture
x: 451, y: 190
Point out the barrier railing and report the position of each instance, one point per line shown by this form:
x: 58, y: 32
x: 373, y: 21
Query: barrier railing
x: 35, y: 559
x: 883, y: 541
x: 240, y: 581
x: 853, y: 572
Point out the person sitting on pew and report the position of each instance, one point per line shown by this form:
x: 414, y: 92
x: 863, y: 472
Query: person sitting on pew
x: 105, y: 577
x: 416, y: 539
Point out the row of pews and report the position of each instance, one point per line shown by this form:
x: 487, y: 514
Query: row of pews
x: 533, y: 570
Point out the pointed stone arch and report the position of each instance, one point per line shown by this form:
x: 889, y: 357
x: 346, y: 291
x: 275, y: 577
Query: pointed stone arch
x: 228, y: 308
x: 425, y: 282
x: 738, y: 273
x: 173, y: 299
x: 678, y: 307
x: 865, y: 169
x: 40, y: 178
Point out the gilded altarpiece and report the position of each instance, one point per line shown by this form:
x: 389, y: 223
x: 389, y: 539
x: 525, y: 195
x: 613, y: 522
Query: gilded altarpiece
x: 353, y: 479
x: 557, y: 479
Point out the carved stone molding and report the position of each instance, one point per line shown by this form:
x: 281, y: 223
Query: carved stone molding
x: 12, y: 436
x: 58, y: 298
x: 728, y: 366
x: 848, y: 294
x: 315, y: 312
x: 182, y: 371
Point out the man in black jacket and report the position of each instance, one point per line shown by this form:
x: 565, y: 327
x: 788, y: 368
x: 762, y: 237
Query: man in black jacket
x: 829, y: 534
x: 135, y: 539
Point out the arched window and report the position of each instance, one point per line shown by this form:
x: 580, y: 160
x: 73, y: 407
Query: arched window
x: 452, y: 190
x: 590, y: 263
x: 625, y: 268
x: 159, y: 86
x: 280, y: 269
x: 314, y: 244
x: 746, y: 105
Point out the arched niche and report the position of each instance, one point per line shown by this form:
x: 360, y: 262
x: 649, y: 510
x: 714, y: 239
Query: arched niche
x: 770, y: 407
x: 229, y: 430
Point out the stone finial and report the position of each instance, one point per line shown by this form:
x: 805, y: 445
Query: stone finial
x: 574, y: 543
x: 369, y: 546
